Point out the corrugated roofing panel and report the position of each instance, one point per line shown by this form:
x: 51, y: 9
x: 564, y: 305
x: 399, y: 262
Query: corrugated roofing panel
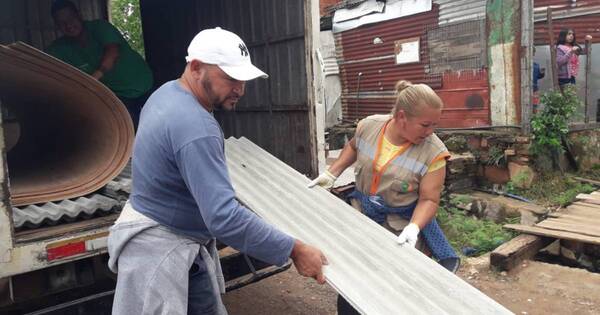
x: 366, y: 265
x: 460, y: 10
x: 52, y: 212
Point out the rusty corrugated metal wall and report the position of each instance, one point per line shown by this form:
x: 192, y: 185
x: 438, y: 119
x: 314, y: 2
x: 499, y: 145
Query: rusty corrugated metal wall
x: 29, y: 21
x: 357, y: 54
x: 464, y: 88
x: 275, y: 112
x: 581, y: 16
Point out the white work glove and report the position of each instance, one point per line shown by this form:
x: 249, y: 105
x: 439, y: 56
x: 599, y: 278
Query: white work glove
x: 409, y: 235
x: 325, y: 180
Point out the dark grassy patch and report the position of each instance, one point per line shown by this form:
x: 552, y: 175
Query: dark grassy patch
x: 555, y: 189
x: 471, y: 235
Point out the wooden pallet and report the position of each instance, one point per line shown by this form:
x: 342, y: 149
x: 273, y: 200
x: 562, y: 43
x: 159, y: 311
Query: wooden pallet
x: 578, y: 222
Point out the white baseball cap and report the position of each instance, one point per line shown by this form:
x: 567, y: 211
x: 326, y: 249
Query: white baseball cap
x: 226, y: 50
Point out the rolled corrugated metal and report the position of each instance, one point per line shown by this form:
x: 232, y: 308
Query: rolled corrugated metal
x: 71, y: 134
x: 366, y: 265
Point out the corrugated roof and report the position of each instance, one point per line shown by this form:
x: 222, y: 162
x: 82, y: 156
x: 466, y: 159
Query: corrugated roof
x: 366, y: 265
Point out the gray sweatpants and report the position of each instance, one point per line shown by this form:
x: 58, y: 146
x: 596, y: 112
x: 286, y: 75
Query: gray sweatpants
x: 160, y: 272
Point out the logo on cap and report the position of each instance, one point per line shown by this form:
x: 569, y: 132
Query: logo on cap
x: 243, y: 49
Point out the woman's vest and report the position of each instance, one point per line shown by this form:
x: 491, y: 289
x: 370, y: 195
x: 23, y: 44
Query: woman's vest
x: 398, y: 185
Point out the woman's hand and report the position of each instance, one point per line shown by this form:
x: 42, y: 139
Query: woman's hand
x: 588, y: 37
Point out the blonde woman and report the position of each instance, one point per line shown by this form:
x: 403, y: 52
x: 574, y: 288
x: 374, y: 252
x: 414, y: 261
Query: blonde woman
x: 400, y: 171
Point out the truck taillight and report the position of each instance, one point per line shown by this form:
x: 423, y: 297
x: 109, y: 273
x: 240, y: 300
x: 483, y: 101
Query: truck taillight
x: 76, y: 246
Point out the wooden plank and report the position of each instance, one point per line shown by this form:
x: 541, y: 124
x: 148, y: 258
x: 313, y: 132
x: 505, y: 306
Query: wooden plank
x: 589, y: 196
x: 553, y: 233
x: 553, y: 64
x: 583, y: 210
x: 512, y: 253
x: 588, y: 181
x: 556, y: 224
x: 590, y: 107
x: 585, y: 204
x: 576, y: 218
x: 64, y: 229
x: 595, y: 199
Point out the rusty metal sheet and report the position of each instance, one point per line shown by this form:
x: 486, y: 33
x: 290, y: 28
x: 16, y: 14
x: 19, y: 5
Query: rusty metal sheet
x: 581, y: 16
x: 357, y: 53
x: 588, y: 24
x: 76, y: 135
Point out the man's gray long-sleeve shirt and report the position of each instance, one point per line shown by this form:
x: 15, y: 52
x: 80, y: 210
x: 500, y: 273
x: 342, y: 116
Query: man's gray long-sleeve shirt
x: 180, y: 178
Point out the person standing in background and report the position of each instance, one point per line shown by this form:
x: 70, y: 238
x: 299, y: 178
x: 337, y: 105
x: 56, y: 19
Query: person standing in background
x: 98, y: 49
x: 567, y: 56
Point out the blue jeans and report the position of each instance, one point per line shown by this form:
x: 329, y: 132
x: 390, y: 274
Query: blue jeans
x: 564, y: 81
x: 375, y: 208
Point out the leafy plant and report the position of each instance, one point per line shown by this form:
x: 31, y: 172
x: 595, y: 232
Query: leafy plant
x: 496, y: 156
x: 125, y: 15
x: 464, y: 231
x: 550, y: 126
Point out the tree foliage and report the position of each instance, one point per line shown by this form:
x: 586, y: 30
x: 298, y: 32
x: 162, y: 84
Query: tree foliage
x: 125, y: 15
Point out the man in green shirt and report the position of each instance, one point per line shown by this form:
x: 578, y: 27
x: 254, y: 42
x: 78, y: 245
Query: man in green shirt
x: 98, y: 49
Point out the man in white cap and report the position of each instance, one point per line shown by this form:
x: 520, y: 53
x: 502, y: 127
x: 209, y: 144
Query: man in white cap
x: 182, y: 199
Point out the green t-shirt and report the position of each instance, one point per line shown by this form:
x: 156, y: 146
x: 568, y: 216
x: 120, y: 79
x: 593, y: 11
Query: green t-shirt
x: 129, y: 78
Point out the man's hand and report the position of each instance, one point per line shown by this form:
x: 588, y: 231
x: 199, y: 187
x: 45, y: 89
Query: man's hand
x: 308, y: 261
x: 409, y: 235
x: 325, y: 180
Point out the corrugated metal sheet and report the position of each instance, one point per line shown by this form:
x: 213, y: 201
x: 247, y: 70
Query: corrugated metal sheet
x: 366, y: 265
x: 275, y: 32
x: 29, y: 21
x: 466, y: 99
x: 68, y: 209
x: 109, y: 199
x: 357, y: 54
x: 460, y: 10
x: 121, y: 183
x: 581, y: 16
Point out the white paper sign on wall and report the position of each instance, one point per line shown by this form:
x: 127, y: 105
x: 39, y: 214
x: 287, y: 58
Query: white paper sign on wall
x: 407, y: 50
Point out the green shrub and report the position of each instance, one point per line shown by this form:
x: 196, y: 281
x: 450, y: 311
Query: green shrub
x: 463, y: 230
x: 550, y: 126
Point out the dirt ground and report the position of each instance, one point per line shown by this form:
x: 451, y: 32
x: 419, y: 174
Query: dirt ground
x: 533, y: 288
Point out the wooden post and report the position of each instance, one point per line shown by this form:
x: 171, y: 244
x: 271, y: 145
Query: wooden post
x: 589, y: 107
x: 526, y: 53
x: 553, y: 65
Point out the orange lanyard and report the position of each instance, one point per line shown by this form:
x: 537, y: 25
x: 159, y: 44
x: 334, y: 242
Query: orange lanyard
x: 378, y: 174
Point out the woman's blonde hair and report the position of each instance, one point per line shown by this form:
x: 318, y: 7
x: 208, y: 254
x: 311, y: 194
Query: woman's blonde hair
x: 411, y: 98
